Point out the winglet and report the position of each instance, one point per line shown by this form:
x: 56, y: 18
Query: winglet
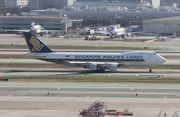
x: 34, y: 44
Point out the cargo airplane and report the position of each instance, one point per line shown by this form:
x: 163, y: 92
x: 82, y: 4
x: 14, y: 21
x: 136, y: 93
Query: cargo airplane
x: 34, y: 28
x: 112, y: 33
x: 121, y: 32
x: 92, y: 61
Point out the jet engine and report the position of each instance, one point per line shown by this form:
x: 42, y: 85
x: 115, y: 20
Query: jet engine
x: 113, y: 67
x: 92, y: 66
x: 129, y: 34
x: 123, y: 36
x: 108, y: 34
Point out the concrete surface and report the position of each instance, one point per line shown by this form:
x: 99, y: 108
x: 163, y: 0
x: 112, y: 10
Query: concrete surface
x: 18, y: 40
x: 30, y: 99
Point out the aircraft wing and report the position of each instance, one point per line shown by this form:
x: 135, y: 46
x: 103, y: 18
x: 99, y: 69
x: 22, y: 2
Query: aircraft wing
x: 51, y: 31
x: 135, y: 32
x: 15, y: 30
x: 101, y: 32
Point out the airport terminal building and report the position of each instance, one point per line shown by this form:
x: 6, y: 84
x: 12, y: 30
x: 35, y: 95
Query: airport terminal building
x: 23, y: 22
x: 43, y: 4
x: 15, y: 3
x: 165, y: 26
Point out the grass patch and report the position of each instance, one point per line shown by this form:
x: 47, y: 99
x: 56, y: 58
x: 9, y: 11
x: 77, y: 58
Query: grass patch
x: 35, y: 65
x: 13, y: 46
x: 81, y: 47
x: 15, y: 56
x: 31, y: 65
x: 176, y: 67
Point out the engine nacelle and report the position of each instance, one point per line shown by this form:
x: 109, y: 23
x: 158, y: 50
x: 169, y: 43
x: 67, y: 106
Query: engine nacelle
x: 92, y: 66
x: 108, y: 34
x: 113, y: 67
x: 123, y: 36
x: 129, y: 34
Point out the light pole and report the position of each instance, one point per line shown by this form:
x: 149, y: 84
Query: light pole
x: 115, y: 15
x: 57, y: 4
x: 37, y: 4
x: 0, y: 25
x: 98, y: 21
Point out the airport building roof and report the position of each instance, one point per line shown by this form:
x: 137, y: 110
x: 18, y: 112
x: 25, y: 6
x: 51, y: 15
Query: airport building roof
x: 177, y: 18
x: 162, y: 26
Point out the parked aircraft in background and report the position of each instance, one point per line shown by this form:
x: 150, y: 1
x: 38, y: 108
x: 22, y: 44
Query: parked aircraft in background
x: 112, y: 31
x: 92, y: 61
x: 116, y: 32
x: 34, y: 28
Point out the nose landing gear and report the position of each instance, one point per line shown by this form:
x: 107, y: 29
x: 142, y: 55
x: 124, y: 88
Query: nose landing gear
x: 150, y: 70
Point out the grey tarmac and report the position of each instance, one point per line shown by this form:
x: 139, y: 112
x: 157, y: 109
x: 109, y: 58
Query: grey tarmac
x: 26, y: 99
x: 18, y: 40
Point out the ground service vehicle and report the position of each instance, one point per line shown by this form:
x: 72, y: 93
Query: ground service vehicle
x: 93, y: 38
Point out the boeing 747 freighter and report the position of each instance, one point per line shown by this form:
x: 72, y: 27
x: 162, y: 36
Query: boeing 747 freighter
x: 92, y: 61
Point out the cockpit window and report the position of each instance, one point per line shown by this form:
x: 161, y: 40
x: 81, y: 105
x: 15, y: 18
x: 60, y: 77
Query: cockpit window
x: 154, y: 53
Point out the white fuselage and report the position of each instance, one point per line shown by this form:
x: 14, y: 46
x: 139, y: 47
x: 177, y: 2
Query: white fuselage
x: 37, y: 28
x: 117, y: 32
x: 92, y: 61
x: 120, y: 31
x: 136, y: 58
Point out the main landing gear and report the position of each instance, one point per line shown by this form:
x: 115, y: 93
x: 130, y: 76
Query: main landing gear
x: 100, y: 69
x: 150, y: 70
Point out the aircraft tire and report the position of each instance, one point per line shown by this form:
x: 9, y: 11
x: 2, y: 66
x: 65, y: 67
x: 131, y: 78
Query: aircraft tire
x: 150, y: 70
x: 122, y: 36
x: 99, y: 69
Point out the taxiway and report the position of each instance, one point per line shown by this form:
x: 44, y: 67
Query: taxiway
x: 25, y: 99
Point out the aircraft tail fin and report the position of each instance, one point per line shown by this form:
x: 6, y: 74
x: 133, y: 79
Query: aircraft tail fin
x: 34, y: 44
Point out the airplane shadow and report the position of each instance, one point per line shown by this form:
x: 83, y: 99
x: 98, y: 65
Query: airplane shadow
x: 74, y: 71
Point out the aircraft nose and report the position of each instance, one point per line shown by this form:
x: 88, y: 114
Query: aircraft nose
x: 161, y: 59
